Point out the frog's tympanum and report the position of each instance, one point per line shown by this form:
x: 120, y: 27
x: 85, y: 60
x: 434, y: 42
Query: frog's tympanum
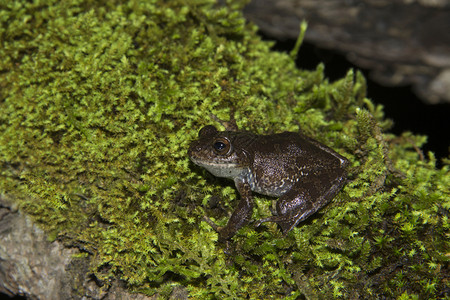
x: 302, y: 172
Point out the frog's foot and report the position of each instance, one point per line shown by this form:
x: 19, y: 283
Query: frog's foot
x: 285, y: 224
x: 225, y: 233
x: 212, y: 224
x: 229, y: 250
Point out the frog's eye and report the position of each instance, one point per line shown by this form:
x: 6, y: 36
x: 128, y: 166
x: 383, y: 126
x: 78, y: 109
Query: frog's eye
x: 221, y: 146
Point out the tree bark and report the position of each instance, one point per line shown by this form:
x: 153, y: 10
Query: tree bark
x: 402, y: 42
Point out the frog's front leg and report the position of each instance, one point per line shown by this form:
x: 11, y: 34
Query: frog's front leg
x: 241, y: 215
x: 303, y: 200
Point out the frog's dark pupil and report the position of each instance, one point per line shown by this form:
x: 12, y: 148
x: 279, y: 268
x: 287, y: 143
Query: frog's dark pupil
x: 219, y: 146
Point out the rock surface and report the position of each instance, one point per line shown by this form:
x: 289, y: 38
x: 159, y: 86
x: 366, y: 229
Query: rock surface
x: 33, y: 267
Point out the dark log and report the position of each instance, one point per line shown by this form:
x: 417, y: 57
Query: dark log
x: 402, y: 42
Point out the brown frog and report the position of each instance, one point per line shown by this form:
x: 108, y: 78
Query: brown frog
x: 302, y: 172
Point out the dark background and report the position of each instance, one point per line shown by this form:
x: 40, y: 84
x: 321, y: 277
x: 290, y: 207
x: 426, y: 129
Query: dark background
x: 401, y: 105
x: 5, y: 297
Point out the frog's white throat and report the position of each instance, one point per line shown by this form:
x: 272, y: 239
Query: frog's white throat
x: 226, y: 170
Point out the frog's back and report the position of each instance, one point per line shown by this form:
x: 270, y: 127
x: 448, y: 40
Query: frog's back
x: 281, y: 160
x: 293, y: 148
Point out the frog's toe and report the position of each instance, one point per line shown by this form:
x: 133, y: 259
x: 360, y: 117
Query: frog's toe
x: 211, y: 223
x: 285, y: 225
x: 259, y: 222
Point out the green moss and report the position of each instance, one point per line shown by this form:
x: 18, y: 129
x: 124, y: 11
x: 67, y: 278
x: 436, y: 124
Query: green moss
x: 99, y: 101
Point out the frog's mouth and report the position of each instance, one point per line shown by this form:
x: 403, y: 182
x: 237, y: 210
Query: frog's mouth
x: 213, y: 164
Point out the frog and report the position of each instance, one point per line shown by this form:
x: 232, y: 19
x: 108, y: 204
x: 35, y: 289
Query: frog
x: 303, y: 173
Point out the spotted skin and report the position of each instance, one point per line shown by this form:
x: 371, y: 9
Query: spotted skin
x: 302, y: 172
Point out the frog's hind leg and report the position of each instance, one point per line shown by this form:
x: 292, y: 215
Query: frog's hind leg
x: 298, y: 204
x: 290, y: 211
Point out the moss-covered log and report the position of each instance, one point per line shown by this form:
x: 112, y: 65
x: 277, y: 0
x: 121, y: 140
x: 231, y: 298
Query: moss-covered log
x: 99, y: 101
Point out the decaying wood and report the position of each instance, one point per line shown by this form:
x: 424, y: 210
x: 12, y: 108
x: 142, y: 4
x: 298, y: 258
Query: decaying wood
x: 402, y: 41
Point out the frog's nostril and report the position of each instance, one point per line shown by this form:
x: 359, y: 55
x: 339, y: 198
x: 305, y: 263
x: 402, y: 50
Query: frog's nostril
x: 194, y: 148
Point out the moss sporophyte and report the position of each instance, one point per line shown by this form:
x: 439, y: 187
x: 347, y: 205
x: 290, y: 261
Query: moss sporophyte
x: 100, y: 101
